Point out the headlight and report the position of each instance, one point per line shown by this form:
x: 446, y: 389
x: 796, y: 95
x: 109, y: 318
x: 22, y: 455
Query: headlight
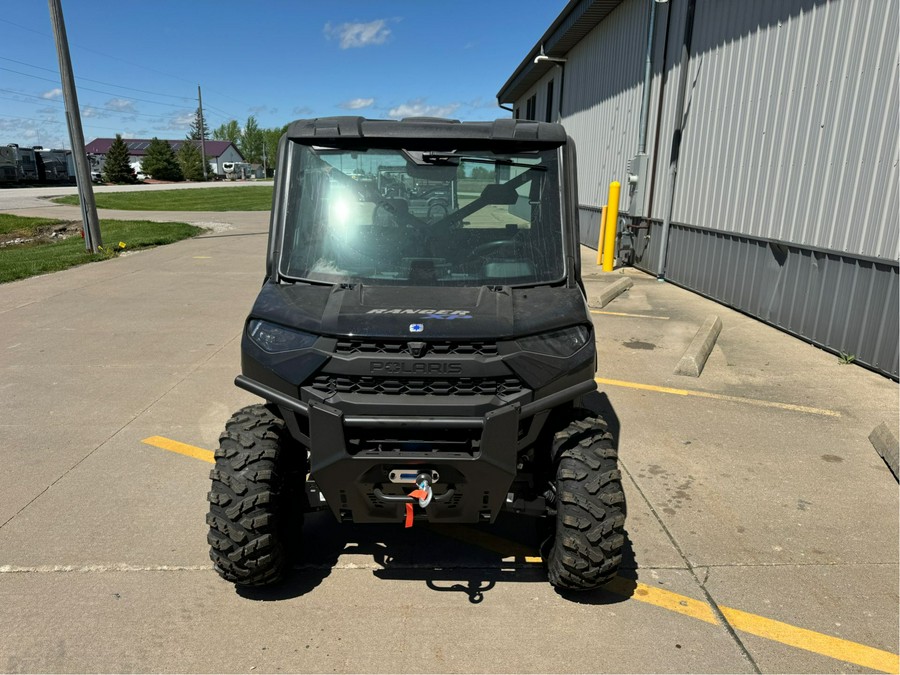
x: 558, y: 343
x: 273, y: 338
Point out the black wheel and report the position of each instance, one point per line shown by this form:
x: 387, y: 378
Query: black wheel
x: 589, y: 531
x: 253, y: 508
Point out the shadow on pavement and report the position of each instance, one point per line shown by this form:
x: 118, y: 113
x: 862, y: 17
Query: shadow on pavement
x: 468, y: 560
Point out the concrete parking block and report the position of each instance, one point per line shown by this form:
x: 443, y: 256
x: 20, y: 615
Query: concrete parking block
x: 605, y: 293
x: 887, y: 446
x: 694, y: 358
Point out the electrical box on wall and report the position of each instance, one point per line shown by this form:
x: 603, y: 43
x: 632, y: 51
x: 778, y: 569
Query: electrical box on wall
x: 638, y: 185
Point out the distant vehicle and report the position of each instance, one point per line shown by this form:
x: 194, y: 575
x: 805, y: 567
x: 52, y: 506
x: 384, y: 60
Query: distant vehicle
x: 35, y: 165
x: 237, y: 170
x: 8, y: 172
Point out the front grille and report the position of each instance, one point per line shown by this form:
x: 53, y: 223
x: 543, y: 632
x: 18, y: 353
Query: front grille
x: 463, y: 386
x: 402, y: 348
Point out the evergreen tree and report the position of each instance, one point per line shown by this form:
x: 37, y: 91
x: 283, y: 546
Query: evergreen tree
x: 198, y: 129
x: 117, y: 168
x: 160, y: 161
x: 191, y: 161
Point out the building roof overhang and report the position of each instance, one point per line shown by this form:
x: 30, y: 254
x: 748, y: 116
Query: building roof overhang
x: 578, y: 18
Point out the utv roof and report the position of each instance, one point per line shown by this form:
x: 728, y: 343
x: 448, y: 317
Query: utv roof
x: 415, y: 132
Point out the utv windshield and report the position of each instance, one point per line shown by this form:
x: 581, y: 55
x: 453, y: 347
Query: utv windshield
x: 396, y: 217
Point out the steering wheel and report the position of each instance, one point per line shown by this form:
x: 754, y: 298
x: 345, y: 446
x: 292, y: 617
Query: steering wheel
x: 437, y: 211
x: 488, y: 249
x: 385, y: 215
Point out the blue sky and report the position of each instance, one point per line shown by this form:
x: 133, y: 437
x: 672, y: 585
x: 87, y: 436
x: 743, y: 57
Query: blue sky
x: 137, y: 64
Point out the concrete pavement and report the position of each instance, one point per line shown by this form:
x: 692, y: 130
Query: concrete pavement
x: 753, y: 488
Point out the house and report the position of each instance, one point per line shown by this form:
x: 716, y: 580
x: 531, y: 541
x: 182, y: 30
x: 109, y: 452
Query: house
x: 217, y: 152
x: 756, y: 147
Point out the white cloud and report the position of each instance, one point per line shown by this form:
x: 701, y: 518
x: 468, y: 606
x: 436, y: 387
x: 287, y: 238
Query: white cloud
x: 52, y: 94
x: 91, y: 111
x: 359, y: 34
x: 302, y: 111
x: 357, y: 103
x: 120, y: 105
x: 181, y: 121
x: 418, y: 108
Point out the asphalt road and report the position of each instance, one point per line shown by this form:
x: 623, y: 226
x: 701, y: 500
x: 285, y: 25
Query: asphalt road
x: 762, y: 526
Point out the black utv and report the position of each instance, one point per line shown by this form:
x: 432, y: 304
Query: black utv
x: 419, y: 360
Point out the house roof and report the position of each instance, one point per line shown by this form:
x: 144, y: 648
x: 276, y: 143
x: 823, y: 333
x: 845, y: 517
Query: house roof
x: 577, y: 19
x: 137, y: 147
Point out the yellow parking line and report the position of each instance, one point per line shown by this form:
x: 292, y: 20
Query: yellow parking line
x: 811, y: 641
x: 181, y: 448
x: 635, y: 316
x: 720, y: 397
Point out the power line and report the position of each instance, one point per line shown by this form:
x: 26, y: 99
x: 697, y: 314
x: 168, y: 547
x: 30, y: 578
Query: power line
x: 97, y: 91
x: 107, y: 84
x: 117, y: 58
x: 84, y: 106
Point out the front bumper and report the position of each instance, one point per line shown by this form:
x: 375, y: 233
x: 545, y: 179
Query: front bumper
x: 353, y: 477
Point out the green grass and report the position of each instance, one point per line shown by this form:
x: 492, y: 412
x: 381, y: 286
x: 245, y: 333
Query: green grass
x: 26, y: 260
x: 253, y: 198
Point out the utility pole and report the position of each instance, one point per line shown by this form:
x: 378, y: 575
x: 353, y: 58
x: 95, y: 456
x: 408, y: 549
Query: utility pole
x: 90, y: 222
x: 202, y: 132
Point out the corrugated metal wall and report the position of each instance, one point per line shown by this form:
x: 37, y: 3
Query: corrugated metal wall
x: 792, y: 127
x: 787, y: 202
x: 602, y: 98
x: 846, y: 304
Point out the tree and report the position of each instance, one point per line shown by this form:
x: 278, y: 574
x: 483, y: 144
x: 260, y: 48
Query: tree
x: 271, y: 138
x: 230, y: 131
x: 199, y: 128
x: 117, y: 167
x: 191, y: 161
x: 251, y: 142
x: 160, y: 161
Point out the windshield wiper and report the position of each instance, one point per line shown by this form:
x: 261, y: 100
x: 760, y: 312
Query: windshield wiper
x: 454, y: 159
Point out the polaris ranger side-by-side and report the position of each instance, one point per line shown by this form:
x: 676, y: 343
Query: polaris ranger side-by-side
x: 422, y: 341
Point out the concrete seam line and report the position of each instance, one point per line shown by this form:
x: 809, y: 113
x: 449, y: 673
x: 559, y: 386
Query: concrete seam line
x: 886, y: 444
x: 612, y: 291
x: 694, y: 358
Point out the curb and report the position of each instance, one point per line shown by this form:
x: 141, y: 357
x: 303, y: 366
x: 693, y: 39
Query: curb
x: 694, y: 359
x: 887, y: 446
x: 611, y: 291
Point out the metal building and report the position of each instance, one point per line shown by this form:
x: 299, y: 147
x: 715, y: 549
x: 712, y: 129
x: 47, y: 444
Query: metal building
x: 769, y: 177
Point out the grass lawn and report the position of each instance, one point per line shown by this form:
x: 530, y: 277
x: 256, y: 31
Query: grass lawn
x: 253, y: 198
x: 18, y: 261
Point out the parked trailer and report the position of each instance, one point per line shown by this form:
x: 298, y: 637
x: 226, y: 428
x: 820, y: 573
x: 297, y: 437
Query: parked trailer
x: 26, y: 164
x: 35, y: 165
x: 8, y: 171
x: 237, y: 170
x: 53, y: 166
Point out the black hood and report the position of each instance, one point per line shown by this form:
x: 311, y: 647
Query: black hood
x: 400, y: 312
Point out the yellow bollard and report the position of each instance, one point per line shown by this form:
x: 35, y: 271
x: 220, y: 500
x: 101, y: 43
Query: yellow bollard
x: 600, y: 238
x: 612, y: 218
